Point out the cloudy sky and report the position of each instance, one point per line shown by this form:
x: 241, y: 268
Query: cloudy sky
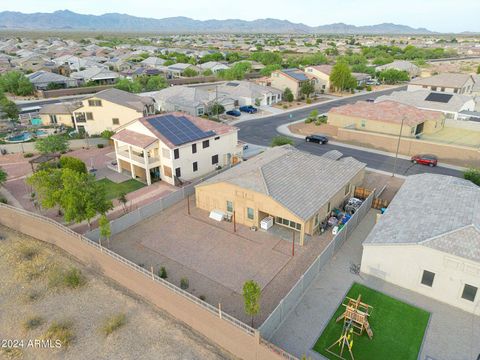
x: 436, y: 15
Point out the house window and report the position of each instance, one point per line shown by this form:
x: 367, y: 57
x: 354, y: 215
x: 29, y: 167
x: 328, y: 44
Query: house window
x: 194, y: 148
x: 89, y: 116
x: 363, y: 123
x: 214, y: 159
x: 115, y: 121
x: 347, y: 189
x: 176, y: 153
x: 217, y: 138
x: 427, y: 278
x: 195, y: 166
x: 178, y: 172
x: 94, y: 102
x: 434, y: 88
x: 455, y: 91
x: 469, y: 292
x: 205, y: 143
x: 167, y: 170
x: 250, y: 213
x: 229, y: 206
x: 442, y: 89
x: 200, y: 111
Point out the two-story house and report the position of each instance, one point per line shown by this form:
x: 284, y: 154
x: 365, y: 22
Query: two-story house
x: 446, y: 82
x: 289, y: 78
x: 175, y: 147
x: 109, y: 109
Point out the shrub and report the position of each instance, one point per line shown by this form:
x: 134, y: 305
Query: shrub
x: 27, y: 252
x: 28, y: 155
x: 68, y: 162
x: 281, y: 140
x: 308, y: 120
x: 3, y: 200
x: 473, y: 175
x: 369, y: 88
x: 100, y: 146
x: 107, y: 134
x: 309, y: 101
x: 71, y: 278
x: 60, y: 331
x: 184, y: 284
x: 162, y: 272
x: 32, y: 296
x: 202, y: 297
x: 33, y: 322
x: 285, y: 106
x: 113, y: 323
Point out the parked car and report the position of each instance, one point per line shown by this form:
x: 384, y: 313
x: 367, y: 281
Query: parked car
x: 248, y: 109
x: 425, y: 159
x: 234, y: 112
x: 373, y: 82
x: 370, y: 100
x: 319, y: 139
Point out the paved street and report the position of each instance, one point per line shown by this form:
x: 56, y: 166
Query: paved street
x: 261, y: 131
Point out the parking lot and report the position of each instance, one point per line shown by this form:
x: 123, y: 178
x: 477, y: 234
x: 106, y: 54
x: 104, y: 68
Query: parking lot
x: 215, y: 259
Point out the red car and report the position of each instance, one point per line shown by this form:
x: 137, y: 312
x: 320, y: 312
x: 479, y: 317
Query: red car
x: 425, y: 159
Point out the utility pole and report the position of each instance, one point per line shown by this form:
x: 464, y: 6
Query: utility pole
x: 234, y: 223
x: 398, y: 147
x: 293, y: 243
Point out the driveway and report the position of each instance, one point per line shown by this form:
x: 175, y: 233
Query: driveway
x: 452, y: 334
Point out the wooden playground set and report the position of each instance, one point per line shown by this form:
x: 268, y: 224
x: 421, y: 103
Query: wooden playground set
x: 355, y: 322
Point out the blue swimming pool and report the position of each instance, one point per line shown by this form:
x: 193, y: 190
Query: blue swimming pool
x: 25, y: 136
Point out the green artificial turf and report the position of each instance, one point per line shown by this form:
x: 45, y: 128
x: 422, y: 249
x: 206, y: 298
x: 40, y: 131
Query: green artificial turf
x: 114, y: 190
x: 398, y: 329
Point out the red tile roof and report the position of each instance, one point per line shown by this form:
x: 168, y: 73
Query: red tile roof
x: 134, y: 138
x: 387, y: 111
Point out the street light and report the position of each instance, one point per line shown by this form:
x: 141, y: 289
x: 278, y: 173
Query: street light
x: 398, y: 147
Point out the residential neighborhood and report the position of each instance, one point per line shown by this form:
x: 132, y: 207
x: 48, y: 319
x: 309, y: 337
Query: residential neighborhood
x: 257, y: 181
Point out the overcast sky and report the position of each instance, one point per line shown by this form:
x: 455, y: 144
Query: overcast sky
x: 436, y: 15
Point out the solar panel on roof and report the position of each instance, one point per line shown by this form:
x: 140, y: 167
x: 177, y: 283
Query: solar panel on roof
x: 437, y: 97
x: 178, y: 130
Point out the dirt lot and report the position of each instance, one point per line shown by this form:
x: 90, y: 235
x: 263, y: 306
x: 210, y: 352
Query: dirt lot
x: 215, y: 260
x: 27, y: 291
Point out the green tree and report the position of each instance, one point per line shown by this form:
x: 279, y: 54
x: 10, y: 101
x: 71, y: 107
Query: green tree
x: 251, y: 298
x: 68, y: 162
x: 473, y: 175
x: 307, y: 88
x: 341, y: 77
x: 8, y: 109
x: 54, y: 86
x: 207, y: 72
x: 104, y: 226
x: 107, y: 134
x: 155, y: 83
x: 16, y: 83
x: 217, y: 109
x: 478, y: 69
x: 128, y: 85
x: 3, y: 176
x: 236, y: 72
x: 122, y: 198
x: 48, y: 186
x: 288, y: 95
x: 393, y: 76
x: 266, y: 57
x: 52, y: 144
x: 189, y: 72
x: 267, y: 70
x: 281, y: 140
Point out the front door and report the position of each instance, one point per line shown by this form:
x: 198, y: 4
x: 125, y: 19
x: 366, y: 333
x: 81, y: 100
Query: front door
x: 155, y: 174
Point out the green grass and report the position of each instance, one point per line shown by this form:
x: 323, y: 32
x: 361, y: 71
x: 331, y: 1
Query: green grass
x: 398, y: 329
x: 114, y: 190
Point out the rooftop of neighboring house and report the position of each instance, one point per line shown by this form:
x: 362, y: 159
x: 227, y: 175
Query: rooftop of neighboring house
x: 300, y: 181
x: 446, y: 217
x: 245, y: 89
x: 179, y: 66
x: 427, y: 99
x: 94, y: 73
x: 401, y: 65
x: 153, y: 61
x: 46, y: 77
x: 293, y: 73
x: 327, y: 70
x: 452, y: 80
x: 387, y: 111
x: 123, y: 98
x: 212, y: 64
x: 183, y: 95
x: 60, y: 108
x: 174, y: 129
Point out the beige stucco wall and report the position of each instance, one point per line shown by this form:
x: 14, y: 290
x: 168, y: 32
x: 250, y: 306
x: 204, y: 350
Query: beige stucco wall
x: 65, y: 119
x: 103, y: 115
x: 382, y: 127
x: 323, y: 82
x: 403, y: 265
x: 281, y: 82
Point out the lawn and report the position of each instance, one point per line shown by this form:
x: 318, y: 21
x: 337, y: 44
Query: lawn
x: 398, y: 329
x: 114, y: 190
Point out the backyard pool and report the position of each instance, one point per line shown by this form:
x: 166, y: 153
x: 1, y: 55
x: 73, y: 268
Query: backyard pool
x: 25, y: 136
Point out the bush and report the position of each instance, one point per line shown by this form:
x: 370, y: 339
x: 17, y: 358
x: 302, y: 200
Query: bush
x: 107, y: 134
x: 32, y: 296
x: 184, y: 284
x: 308, y: 120
x: 113, y: 323
x: 202, y: 297
x: 3, y: 200
x: 100, y: 146
x: 285, y: 106
x: 33, y: 322
x: 28, y: 155
x: 27, y: 252
x: 162, y: 272
x: 281, y: 140
x: 473, y: 175
x: 60, y: 331
x: 369, y: 88
x: 71, y: 278
x: 309, y: 101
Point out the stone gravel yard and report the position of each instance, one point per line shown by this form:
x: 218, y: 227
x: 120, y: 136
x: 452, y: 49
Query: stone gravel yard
x: 32, y: 300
